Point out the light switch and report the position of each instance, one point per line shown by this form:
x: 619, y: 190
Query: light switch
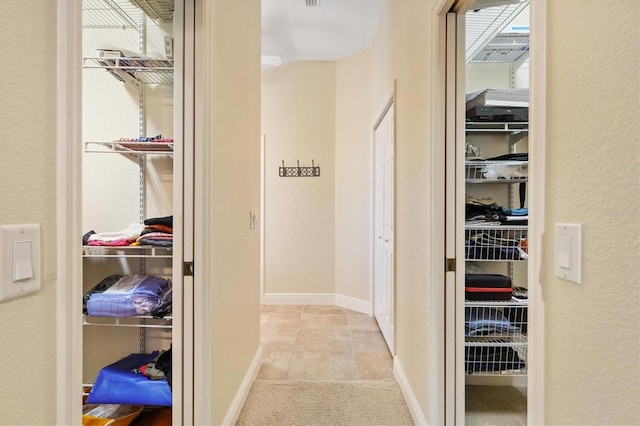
x: 564, y: 251
x: 19, y: 260
x: 22, y: 269
x: 568, y: 251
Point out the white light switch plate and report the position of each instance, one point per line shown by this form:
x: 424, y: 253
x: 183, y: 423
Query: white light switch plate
x: 568, y: 251
x: 19, y: 260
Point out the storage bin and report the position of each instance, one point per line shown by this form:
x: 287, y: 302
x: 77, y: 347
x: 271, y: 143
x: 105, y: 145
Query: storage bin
x: 487, y: 287
x: 109, y: 414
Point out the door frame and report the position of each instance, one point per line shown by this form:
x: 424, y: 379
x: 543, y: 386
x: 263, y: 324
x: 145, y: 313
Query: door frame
x: 68, y: 211
x: 69, y: 221
x: 537, y: 132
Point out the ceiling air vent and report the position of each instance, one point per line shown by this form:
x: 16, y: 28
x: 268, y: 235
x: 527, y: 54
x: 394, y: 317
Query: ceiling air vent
x: 313, y: 3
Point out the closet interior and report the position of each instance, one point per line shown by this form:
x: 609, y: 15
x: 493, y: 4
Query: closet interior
x: 127, y: 212
x: 496, y: 214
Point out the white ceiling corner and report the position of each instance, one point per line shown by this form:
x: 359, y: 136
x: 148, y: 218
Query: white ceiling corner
x: 329, y: 31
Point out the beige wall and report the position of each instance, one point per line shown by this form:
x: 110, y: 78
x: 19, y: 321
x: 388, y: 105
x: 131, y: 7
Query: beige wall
x: 408, y: 27
x: 593, y: 161
x: 298, y: 121
x: 319, y: 110
x: 355, y: 117
x: 232, y: 165
x: 27, y: 191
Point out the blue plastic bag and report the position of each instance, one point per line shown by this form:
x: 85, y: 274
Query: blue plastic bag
x: 118, y: 384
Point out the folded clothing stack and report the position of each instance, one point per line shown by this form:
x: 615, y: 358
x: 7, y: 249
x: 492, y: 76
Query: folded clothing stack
x: 118, y: 238
x: 128, y: 295
x: 158, y: 231
x: 481, y: 321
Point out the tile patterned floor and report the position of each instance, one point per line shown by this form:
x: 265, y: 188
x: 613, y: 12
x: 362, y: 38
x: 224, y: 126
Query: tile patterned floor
x: 308, y: 342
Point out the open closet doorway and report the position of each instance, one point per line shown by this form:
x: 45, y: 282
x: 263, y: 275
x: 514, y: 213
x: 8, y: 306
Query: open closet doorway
x: 129, y: 152
x: 487, y: 145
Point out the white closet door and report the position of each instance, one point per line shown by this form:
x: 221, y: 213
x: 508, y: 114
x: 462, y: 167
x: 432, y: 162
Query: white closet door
x: 183, y: 330
x: 454, y: 277
x: 384, y: 286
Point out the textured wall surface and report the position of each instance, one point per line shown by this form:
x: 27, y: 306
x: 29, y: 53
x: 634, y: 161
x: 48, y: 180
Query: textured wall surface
x: 232, y: 163
x: 298, y: 121
x: 409, y: 35
x: 592, y: 177
x: 27, y: 194
x: 355, y: 117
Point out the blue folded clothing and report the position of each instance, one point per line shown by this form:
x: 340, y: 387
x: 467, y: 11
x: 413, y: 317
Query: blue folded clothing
x: 130, y: 295
x: 482, y: 321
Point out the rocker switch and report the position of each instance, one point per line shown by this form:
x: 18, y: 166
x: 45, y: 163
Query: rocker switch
x: 564, y: 251
x: 568, y: 246
x: 22, y: 268
x: 19, y: 260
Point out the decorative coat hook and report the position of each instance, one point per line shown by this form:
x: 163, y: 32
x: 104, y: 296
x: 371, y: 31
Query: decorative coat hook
x: 298, y: 171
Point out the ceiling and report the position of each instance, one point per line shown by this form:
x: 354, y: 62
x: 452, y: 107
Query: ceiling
x: 317, y: 30
x: 330, y: 30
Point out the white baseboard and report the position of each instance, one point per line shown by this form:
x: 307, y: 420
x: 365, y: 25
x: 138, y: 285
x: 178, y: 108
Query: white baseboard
x: 347, y: 302
x: 409, y: 396
x: 241, y: 396
x: 354, y: 304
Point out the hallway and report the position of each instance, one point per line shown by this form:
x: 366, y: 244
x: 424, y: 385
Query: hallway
x: 321, y: 343
x: 334, y: 359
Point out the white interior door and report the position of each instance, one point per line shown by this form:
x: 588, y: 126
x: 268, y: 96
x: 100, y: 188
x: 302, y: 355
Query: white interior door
x: 454, y: 273
x: 183, y: 204
x: 384, y: 206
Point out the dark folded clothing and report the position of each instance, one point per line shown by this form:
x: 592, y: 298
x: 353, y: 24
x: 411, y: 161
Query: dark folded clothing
x: 475, y: 250
x: 159, y: 242
x: 167, y: 220
x: 163, y: 310
x: 490, y: 358
x: 163, y: 363
x: 523, y: 156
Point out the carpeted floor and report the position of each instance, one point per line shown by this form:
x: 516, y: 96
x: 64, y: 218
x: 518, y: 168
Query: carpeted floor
x: 496, y: 405
x: 307, y: 403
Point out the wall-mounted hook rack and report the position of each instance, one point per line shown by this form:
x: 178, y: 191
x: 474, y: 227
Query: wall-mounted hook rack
x: 298, y: 171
